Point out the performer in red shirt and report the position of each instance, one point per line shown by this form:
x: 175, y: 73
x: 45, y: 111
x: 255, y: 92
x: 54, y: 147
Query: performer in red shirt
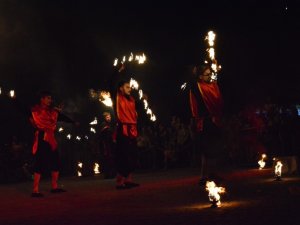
x: 126, y: 151
x: 206, y: 106
x: 46, y: 158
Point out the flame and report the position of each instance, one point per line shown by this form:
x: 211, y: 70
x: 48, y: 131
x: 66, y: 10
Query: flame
x: 140, y: 59
x: 115, y: 62
x: 78, y: 138
x: 69, y: 136
x: 145, y: 104
x: 261, y: 162
x: 86, y: 137
x: 94, y: 122
x: 80, y: 165
x: 105, y: 98
x: 96, y: 168
x: 211, y: 52
x: 211, y: 38
x: 278, y: 169
x: 12, y: 93
x: 214, y: 192
x: 130, y: 57
x: 183, y: 86
x: 141, y: 94
x: 93, y: 93
x: 134, y: 84
x: 93, y: 130
x: 214, y: 67
x: 61, y: 129
x: 153, y: 118
x: 124, y: 59
x: 0, y: 91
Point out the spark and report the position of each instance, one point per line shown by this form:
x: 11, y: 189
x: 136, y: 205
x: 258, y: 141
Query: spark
x: 96, y: 168
x: 94, y: 122
x: 183, y: 86
x: 12, y: 93
x: 78, y: 138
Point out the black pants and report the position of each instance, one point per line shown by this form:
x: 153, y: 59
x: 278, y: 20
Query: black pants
x: 126, y: 155
x: 45, y: 159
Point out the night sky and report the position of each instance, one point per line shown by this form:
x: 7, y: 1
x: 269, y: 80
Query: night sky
x: 68, y: 47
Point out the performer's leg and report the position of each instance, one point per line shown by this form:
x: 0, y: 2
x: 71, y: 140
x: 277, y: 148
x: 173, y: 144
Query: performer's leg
x: 54, y: 176
x: 132, y: 162
x: 55, y: 172
x: 36, y: 182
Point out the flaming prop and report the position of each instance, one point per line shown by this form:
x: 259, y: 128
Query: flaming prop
x: 278, y: 167
x: 93, y: 130
x: 140, y: 59
x: 61, y: 129
x: 96, y: 168
x: 261, y: 162
x: 105, y: 98
x: 183, y: 86
x: 214, y: 193
x: 12, y: 94
x: 102, y: 96
x: 79, y: 165
x: 78, y: 138
x: 211, y: 36
x: 94, y: 122
x: 135, y: 85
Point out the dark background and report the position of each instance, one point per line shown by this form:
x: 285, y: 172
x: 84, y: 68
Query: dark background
x: 68, y: 47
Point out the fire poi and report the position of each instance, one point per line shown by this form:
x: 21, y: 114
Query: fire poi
x: 278, y: 168
x: 214, y: 193
x: 261, y: 162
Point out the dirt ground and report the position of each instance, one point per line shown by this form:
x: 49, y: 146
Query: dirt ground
x: 166, y: 197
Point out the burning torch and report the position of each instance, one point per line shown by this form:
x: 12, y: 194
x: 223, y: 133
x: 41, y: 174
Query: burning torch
x: 211, y: 36
x: 135, y: 85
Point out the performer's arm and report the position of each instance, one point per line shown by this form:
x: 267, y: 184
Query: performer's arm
x: 193, y: 105
x: 195, y: 112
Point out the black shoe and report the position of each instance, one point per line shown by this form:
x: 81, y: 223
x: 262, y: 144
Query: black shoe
x: 36, y: 195
x: 58, y: 190
x: 131, y: 184
x: 122, y: 187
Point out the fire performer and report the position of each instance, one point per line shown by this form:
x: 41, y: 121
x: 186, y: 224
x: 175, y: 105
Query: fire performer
x: 107, y: 146
x: 206, y: 106
x: 126, y: 137
x: 46, y: 158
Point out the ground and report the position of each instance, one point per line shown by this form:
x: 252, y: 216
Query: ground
x: 166, y: 197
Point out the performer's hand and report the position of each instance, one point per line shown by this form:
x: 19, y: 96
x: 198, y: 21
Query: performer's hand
x: 122, y: 68
x: 59, y: 107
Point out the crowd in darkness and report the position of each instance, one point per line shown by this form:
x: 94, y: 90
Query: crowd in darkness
x: 270, y: 128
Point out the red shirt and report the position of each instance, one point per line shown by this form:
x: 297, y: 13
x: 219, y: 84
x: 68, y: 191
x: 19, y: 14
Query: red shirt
x: 45, y: 120
x: 126, y: 114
